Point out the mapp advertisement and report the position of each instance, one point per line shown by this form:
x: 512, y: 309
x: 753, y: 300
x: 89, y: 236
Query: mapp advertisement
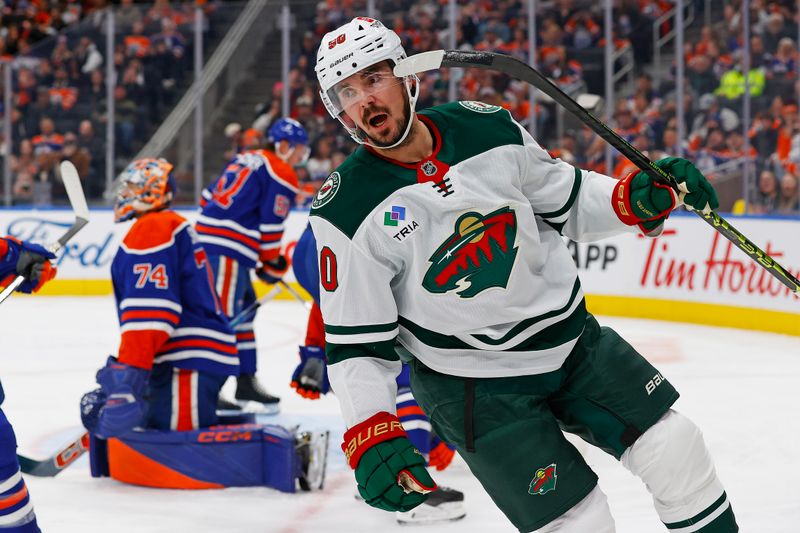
x: 690, y: 266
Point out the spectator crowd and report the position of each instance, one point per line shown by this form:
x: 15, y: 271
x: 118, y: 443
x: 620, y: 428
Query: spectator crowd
x: 60, y: 105
x: 57, y: 50
x: 570, y: 41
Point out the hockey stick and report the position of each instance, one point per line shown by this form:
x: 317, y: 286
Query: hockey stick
x: 52, y: 466
x: 517, y: 69
x: 250, y: 309
x: 72, y: 183
x: 296, y: 294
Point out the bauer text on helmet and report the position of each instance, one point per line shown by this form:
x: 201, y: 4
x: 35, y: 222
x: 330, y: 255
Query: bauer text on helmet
x: 357, y: 86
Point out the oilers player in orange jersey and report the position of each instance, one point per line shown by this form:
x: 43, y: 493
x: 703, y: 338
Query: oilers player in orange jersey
x: 32, y: 261
x: 176, y: 351
x: 176, y: 343
x: 241, y: 228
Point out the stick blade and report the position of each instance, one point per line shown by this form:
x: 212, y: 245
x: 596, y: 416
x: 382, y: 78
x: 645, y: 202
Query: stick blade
x: 72, y: 183
x: 419, y: 63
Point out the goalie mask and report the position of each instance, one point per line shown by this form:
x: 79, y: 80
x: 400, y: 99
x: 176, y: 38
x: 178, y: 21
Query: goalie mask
x: 145, y: 185
x: 361, y: 46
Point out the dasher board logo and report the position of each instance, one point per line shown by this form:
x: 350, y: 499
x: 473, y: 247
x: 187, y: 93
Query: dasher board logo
x: 479, y: 254
x: 327, y: 191
x: 479, y: 107
x: 543, y: 481
x: 398, y: 222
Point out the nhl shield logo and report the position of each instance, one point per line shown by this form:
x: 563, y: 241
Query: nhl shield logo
x: 429, y: 168
x: 543, y: 481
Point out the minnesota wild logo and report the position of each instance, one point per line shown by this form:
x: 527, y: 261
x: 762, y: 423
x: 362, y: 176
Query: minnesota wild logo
x: 478, y: 255
x: 479, y: 107
x: 544, y: 480
x: 327, y: 191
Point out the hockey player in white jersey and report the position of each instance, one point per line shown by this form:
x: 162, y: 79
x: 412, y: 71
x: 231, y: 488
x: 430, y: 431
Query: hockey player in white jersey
x: 440, y: 242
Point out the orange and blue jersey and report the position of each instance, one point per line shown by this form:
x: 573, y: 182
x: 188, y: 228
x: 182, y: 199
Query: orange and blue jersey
x: 45, y: 144
x: 9, y: 253
x: 168, y: 310
x: 10, y: 250
x: 243, y: 211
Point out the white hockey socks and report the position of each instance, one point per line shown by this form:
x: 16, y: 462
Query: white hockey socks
x: 590, y: 514
x: 673, y: 461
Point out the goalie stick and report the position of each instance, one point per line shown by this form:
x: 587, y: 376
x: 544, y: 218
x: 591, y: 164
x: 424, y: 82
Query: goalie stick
x: 517, y: 69
x: 72, y: 183
x: 52, y: 466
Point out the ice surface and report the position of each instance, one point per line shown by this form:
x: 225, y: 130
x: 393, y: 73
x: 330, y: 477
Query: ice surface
x: 740, y: 387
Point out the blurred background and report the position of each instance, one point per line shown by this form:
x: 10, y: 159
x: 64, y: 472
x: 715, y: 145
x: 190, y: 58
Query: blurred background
x: 101, y: 83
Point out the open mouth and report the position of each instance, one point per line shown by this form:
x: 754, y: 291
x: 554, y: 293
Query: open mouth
x: 376, y: 121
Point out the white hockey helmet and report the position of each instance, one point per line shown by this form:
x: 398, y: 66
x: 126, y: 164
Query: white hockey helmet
x: 360, y: 43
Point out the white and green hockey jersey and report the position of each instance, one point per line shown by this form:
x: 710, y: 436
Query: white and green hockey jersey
x: 458, y: 258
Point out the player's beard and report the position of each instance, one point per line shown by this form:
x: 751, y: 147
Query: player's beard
x: 401, y: 126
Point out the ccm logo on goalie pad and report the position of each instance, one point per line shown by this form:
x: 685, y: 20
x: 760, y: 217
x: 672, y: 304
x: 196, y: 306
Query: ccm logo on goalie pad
x: 224, y: 436
x: 651, y: 385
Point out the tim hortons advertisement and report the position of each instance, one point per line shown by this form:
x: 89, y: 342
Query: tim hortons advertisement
x: 688, y: 262
x: 88, y: 255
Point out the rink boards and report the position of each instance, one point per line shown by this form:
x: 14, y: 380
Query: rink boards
x: 689, y: 274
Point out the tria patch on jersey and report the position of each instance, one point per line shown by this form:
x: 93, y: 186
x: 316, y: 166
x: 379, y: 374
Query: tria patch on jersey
x: 327, y: 191
x: 478, y: 255
x: 397, y: 222
x: 479, y: 107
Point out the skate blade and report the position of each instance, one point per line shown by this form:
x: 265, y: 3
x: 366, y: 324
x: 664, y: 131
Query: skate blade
x: 441, y: 514
x: 228, y: 412
x: 249, y: 406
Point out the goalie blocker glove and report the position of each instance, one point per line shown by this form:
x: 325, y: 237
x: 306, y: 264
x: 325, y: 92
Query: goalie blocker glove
x: 118, y: 405
x: 640, y: 200
x: 382, y: 456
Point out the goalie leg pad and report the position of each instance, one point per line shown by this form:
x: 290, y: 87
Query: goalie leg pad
x: 247, y: 455
x: 673, y: 461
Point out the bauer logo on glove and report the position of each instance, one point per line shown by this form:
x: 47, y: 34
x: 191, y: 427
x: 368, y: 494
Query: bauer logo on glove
x: 640, y: 200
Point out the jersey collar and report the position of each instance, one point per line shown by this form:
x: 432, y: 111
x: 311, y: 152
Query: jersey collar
x: 437, y: 145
